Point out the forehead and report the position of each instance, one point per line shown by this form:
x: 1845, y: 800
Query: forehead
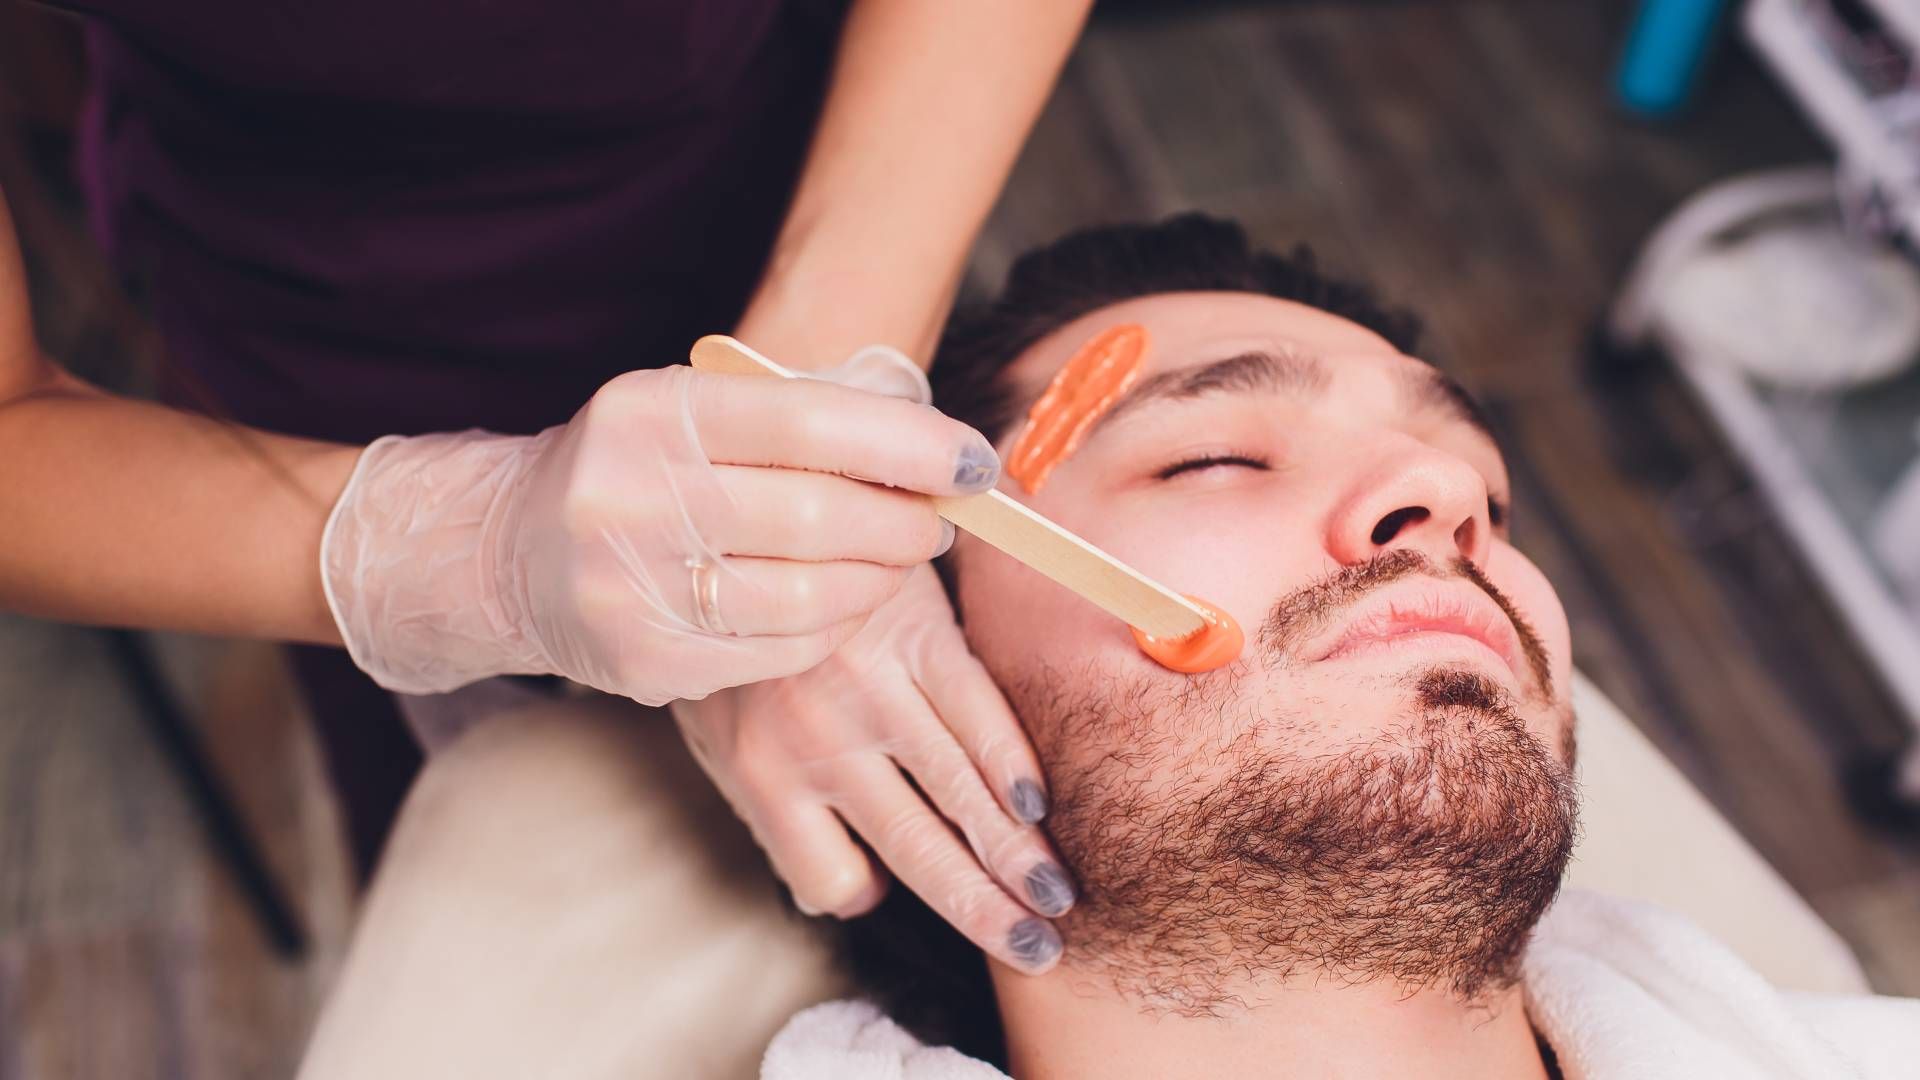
x: 1186, y: 329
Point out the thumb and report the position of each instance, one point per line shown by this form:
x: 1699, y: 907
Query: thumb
x: 879, y: 369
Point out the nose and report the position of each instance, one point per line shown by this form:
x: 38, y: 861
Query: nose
x: 1413, y: 496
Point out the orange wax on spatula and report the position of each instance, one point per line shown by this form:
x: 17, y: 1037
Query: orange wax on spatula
x: 1181, y: 633
x: 1214, y: 645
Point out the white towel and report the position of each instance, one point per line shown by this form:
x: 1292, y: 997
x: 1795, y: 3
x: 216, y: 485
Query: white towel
x: 852, y: 1040
x: 1621, y: 988
x: 1618, y: 988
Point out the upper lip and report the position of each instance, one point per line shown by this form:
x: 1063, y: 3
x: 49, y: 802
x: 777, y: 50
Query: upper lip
x: 1424, y: 606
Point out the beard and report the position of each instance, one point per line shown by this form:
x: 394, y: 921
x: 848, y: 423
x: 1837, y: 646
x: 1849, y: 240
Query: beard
x: 1423, y: 856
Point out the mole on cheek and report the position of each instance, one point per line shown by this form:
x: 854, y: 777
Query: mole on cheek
x: 1081, y: 393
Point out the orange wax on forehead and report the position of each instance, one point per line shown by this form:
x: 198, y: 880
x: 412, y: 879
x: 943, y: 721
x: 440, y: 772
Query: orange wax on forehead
x: 1079, y: 394
x: 1214, y: 645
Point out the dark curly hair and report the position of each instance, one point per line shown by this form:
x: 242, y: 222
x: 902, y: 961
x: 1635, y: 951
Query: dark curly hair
x: 908, y: 959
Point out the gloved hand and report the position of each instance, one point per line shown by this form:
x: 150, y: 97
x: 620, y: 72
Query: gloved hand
x: 879, y: 369
x: 806, y: 758
x: 686, y: 531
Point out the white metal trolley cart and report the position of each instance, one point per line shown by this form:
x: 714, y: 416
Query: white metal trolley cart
x: 1790, y: 302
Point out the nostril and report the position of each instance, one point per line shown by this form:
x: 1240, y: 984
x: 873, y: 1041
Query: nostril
x: 1464, y: 536
x: 1390, y: 526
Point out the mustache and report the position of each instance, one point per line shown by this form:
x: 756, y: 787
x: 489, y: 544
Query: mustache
x: 1312, y: 608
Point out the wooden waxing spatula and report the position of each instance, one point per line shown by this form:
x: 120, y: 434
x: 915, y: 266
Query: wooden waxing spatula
x: 1176, y: 631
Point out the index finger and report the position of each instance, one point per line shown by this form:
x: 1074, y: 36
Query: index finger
x: 807, y: 424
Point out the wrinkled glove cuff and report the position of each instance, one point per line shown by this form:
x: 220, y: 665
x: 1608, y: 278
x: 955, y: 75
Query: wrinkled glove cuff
x: 409, y: 562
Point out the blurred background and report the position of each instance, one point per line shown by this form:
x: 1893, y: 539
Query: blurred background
x: 1715, y: 441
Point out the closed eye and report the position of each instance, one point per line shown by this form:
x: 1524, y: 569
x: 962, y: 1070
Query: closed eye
x: 1209, y: 461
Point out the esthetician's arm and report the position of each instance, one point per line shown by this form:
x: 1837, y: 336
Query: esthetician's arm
x: 605, y: 549
x: 929, y: 105
x: 120, y: 511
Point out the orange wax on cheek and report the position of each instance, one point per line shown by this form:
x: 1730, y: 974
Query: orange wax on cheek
x: 1213, y: 646
x: 1081, y: 393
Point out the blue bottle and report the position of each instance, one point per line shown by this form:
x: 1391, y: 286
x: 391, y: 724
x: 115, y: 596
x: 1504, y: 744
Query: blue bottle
x: 1664, y: 53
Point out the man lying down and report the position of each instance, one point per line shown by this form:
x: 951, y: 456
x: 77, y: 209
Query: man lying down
x: 1333, y: 857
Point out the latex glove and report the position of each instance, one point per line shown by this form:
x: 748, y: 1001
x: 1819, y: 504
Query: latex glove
x: 684, y: 532
x: 805, y: 759
x: 881, y: 369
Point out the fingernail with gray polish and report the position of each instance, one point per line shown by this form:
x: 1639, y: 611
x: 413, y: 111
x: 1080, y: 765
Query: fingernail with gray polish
x: 946, y: 538
x: 978, y: 467
x: 1049, y: 889
x: 1029, y: 802
x: 1034, y: 942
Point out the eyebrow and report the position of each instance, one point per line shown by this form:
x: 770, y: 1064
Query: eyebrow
x: 1298, y: 374
x: 1427, y: 387
x: 1252, y: 372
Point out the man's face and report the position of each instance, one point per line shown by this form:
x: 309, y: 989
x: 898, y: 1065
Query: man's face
x: 1314, y: 448
x: 1339, y: 500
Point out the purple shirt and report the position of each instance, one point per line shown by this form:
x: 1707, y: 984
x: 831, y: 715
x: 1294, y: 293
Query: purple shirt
x: 373, y: 216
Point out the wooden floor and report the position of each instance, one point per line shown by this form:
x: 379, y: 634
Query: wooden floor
x: 1462, y: 155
